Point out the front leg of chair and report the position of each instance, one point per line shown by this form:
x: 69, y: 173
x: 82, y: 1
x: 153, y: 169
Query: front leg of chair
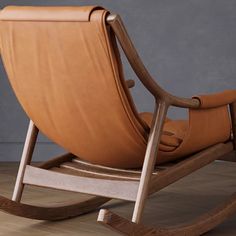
x: 149, y: 160
x: 233, y: 118
x: 148, y: 165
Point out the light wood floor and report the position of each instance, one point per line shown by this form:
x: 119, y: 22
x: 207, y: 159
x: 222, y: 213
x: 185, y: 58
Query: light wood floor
x: 179, y: 202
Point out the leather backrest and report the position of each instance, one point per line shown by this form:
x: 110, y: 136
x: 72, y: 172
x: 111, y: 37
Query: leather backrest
x: 64, y: 69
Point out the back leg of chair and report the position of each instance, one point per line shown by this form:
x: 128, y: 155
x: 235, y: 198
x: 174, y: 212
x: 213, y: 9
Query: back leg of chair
x: 26, y: 157
x: 53, y: 212
x: 233, y: 118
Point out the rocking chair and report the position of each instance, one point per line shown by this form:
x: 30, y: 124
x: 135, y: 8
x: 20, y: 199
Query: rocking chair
x: 64, y: 66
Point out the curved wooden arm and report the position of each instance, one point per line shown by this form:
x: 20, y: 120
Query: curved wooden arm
x: 136, y: 63
x: 184, y: 102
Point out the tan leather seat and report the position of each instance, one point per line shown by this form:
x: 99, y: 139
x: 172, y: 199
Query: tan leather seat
x: 65, y: 69
x: 205, y: 127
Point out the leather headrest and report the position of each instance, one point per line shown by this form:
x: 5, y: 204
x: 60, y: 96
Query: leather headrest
x: 49, y: 13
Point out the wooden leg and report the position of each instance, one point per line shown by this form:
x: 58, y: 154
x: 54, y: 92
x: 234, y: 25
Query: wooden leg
x: 233, y: 118
x: 232, y: 156
x: 30, y: 141
x: 149, y: 160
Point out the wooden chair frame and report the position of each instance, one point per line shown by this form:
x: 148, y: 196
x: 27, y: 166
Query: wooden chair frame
x: 69, y: 173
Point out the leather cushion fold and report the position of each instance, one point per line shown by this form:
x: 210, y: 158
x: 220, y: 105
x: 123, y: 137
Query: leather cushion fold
x: 173, y: 132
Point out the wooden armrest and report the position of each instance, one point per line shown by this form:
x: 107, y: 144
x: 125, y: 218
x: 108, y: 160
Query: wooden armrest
x: 136, y: 63
x: 130, y: 83
x: 184, y: 102
x: 217, y: 99
x: 205, y: 101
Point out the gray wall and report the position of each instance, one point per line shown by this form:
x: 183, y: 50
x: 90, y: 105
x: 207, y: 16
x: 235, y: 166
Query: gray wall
x: 189, y: 46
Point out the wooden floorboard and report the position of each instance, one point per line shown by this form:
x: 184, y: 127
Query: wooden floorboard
x: 177, y: 203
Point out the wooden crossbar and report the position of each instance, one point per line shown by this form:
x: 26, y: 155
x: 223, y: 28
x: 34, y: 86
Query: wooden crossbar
x: 125, y: 190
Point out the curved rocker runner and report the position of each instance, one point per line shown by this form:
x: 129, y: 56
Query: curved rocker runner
x: 56, y: 212
x: 199, y: 226
x: 75, y: 93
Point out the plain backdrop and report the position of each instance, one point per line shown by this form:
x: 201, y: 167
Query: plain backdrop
x: 189, y: 47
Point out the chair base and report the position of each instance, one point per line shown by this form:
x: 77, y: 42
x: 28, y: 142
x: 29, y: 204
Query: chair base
x: 199, y: 226
x: 51, y: 213
x: 71, y: 167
